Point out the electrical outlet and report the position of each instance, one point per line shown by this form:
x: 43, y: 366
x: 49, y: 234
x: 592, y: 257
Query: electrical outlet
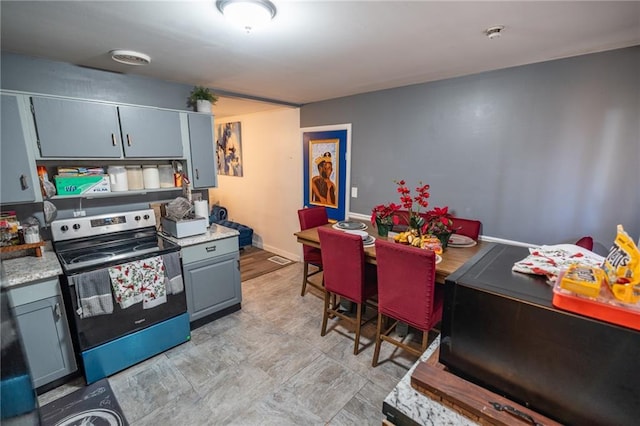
x: 354, y: 192
x: 79, y: 213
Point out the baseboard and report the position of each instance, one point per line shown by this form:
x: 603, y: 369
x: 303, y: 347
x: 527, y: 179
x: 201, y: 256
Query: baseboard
x: 283, y: 253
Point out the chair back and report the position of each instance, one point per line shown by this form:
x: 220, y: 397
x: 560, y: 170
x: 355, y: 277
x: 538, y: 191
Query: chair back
x: 467, y: 227
x: 343, y: 263
x: 585, y: 242
x: 310, y: 218
x: 406, y: 284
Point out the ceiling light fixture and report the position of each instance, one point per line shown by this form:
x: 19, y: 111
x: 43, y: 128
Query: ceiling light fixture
x: 494, y: 32
x: 130, y: 57
x: 248, y: 14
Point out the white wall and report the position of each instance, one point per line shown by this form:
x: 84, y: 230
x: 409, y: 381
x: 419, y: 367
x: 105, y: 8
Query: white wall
x: 269, y: 194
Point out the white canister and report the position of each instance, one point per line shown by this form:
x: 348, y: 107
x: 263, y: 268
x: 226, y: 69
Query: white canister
x: 166, y: 176
x: 134, y: 176
x: 151, y: 177
x: 201, y: 208
x: 118, y: 178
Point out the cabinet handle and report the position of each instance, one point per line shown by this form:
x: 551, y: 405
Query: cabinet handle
x: 238, y: 264
x: 56, y: 310
x: 210, y: 249
x: 23, y: 182
x: 113, y: 139
x: 197, y: 174
x: 128, y: 140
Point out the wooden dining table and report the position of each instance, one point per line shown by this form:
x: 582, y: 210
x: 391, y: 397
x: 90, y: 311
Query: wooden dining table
x: 452, y: 257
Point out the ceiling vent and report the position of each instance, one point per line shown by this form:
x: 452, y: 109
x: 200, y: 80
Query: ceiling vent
x: 130, y: 57
x: 494, y: 32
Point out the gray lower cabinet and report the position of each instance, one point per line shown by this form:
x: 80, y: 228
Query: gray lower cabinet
x: 16, y: 175
x: 212, y: 277
x: 82, y: 129
x: 44, y: 330
x: 203, y: 162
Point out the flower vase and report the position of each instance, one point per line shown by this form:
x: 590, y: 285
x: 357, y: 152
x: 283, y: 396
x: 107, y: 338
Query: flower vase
x: 383, y: 228
x: 444, y: 239
x: 415, y: 224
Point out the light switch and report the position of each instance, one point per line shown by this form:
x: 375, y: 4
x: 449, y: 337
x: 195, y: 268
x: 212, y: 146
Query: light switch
x: 354, y: 192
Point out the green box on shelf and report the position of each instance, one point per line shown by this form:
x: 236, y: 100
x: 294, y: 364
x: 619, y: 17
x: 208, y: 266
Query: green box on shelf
x: 77, y: 185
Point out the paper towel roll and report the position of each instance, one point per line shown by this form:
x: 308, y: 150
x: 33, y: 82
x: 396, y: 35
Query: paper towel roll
x: 201, y: 208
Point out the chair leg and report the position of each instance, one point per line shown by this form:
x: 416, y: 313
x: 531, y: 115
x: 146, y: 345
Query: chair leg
x: 425, y: 338
x: 305, y: 278
x: 358, y: 324
x: 325, y: 314
x: 376, y: 353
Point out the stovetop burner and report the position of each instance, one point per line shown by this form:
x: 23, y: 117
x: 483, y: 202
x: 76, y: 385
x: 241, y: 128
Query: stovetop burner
x: 145, y: 246
x: 91, y: 257
x: 107, y: 240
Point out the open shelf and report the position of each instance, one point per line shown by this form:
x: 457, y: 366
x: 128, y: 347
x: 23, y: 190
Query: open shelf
x: 115, y: 194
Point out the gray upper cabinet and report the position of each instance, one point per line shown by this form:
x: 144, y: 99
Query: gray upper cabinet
x: 148, y: 132
x: 82, y: 129
x: 76, y: 129
x: 16, y: 176
x: 203, y: 161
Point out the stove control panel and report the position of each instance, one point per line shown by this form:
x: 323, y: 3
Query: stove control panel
x: 87, y: 226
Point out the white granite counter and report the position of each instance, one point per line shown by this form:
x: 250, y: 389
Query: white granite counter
x: 21, y: 270
x: 214, y: 232
x: 417, y: 406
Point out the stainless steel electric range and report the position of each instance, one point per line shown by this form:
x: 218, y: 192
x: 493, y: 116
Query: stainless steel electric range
x: 108, y: 334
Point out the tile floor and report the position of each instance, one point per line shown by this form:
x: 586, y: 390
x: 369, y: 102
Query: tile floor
x: 265, y: 364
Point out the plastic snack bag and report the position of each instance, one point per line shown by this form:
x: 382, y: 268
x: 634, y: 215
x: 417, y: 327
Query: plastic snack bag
x: 622, y: 267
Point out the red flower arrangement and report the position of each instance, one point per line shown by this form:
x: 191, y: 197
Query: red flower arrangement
x: 414, y: 220
x: 438, y: 221
x: 385, y: 214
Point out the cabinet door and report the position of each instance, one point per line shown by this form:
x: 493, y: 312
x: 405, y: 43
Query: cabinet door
x: 203, y: 161
x: 150, y: 133
x: 212, y: 285
x: 16, y: 175
x: 47, y: 342
x: 76, y: 129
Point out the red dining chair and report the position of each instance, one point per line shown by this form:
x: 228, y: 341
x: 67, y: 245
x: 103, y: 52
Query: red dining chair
x: 310, y: 218
x: 406, y: 293
x: 347, y: 276
x: 467, y: 227
x: 585, y: 242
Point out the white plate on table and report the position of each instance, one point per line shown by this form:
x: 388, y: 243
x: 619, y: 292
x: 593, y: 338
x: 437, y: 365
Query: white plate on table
x: 363, y: 234
x: 438, y: 259
x: 367, y: 240
x: 347, y: 225
x: 461, y: 241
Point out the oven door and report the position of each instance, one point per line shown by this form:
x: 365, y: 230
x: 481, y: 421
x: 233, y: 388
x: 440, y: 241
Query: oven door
x: 93, y: 331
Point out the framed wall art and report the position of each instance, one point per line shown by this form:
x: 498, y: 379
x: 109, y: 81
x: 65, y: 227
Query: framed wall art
x: 325, y: 168
x: 229, y: 149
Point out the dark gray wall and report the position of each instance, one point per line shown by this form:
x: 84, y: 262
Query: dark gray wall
x: 36, y: 75
x: 542, y: 153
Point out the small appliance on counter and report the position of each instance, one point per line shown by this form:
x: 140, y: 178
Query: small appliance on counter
x: 180, y: 220
x: 180, y: 228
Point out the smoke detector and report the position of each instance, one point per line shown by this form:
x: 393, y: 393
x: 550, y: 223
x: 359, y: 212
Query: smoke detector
x: 130, y: 57
x: 494, y: 32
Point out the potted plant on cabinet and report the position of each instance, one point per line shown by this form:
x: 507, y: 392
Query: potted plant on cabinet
x: 202, y: 98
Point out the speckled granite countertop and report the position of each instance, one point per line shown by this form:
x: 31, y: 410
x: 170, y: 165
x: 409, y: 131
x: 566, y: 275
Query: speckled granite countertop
x: 417, y: 406
x: 21, y: 270
x: 214, y: 232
